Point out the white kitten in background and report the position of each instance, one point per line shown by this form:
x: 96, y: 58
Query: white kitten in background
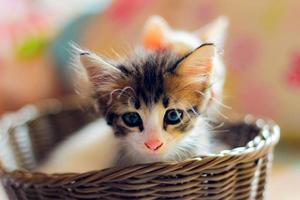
x: 157, y: 103
x: 2, y: 193
x: 91, y: 148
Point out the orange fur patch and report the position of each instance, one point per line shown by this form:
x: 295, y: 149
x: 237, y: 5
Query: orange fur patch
x: 179, y: 88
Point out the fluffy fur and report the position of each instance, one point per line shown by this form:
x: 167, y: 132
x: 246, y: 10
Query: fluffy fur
x: 151, y: 82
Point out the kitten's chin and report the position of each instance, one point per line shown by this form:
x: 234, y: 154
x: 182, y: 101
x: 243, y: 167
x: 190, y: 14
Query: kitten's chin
x: 157, y: 155
x: 148, y: 156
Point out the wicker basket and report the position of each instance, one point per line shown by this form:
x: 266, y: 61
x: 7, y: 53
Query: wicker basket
x: 30, y: 134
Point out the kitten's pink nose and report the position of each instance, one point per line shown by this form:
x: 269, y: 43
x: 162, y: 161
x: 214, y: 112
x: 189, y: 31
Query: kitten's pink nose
x: 153, y: 144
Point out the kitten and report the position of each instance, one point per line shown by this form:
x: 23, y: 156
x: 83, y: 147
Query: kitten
x: 156, y: 104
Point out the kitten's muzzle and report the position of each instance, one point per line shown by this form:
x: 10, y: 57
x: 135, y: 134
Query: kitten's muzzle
x: 153, y: 144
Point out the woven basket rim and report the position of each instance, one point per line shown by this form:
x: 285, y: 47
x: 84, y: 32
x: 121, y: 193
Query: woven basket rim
x: 267, y: 138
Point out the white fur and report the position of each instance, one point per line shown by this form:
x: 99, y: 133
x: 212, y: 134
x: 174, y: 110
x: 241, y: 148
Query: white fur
x: 3, y: 195
x: 92, y: 148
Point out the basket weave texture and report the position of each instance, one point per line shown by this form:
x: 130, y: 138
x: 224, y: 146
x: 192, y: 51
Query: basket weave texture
x: 27, y: 137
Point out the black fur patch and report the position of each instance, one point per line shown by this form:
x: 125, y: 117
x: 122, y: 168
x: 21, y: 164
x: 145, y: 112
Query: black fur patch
x: 110, y: 117
x: 120, y: 131
x: 148, y: 73
x: 166, y: 102
x: 84, y: 53
x: 150, y: 85
x: 124, y: 70
x: 137, y: 104
x: 141, y: 127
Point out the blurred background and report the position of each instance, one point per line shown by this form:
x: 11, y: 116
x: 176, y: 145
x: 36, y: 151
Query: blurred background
x: 262, y: 55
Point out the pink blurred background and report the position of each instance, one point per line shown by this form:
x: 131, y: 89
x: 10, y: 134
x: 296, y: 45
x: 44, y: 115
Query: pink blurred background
x: 262, y: 52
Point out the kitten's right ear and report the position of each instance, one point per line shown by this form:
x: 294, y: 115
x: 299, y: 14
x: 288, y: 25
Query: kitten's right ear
x: 155, y: 33
x: 100, y: 74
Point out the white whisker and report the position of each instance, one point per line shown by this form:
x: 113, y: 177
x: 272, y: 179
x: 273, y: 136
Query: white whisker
x: 216, y: 100
x: 220, y: 113
x: 125, y: 90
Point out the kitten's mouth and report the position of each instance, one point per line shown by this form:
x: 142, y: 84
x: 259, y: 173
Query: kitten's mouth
x: 156, y: 152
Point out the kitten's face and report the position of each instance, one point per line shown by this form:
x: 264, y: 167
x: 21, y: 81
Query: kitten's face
x: 153, y: 101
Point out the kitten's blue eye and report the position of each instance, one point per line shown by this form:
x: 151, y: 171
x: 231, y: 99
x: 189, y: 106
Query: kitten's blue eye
x: 132, y: 119
x: 173, y: 116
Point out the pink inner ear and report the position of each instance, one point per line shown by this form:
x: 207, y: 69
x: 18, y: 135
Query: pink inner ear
x: 203, y: 68
x: 195, y: 71
x: 154, y: 38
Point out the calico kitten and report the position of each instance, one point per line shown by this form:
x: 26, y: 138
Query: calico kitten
x: 157, y: 103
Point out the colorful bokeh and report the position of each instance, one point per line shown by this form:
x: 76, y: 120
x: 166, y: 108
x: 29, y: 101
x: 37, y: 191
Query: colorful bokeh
x: 262, y: 51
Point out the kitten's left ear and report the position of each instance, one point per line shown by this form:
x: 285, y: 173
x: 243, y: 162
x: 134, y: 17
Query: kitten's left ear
x: 198, y: 63
x: 97, y: 68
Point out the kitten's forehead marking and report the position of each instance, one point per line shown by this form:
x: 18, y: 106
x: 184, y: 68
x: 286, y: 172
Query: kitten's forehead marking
x: 148, y: 75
